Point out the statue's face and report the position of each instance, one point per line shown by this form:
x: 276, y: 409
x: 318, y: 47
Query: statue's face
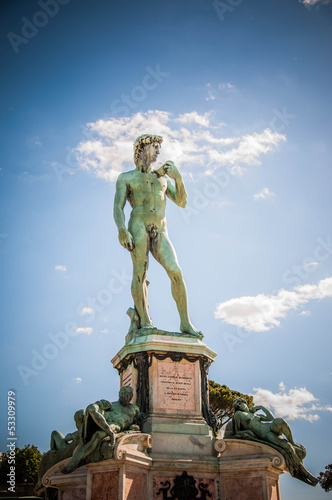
x: 151, y: 152
x: 241, y: 404
x: 125, y: 397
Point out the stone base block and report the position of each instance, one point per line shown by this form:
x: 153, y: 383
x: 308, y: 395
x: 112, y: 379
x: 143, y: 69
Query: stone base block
x: 242, y: 470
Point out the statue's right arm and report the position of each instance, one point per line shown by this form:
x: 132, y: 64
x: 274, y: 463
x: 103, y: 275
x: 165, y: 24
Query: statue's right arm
x: 120, y: 199
x: 99, y: 418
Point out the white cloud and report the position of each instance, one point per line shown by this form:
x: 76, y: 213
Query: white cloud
x: 291, y: 405
x: 312, y: 264
x: 78, y: 380
x: 61, y: 268
x: 262, y: 312
x: 210, y: 96
x: 104, y: 331
x: 87, y: 310
x: 305, y: 313
x: 226, y: 85
x: 189, y: 140
x: 315, y: 2
x: 238, y: 171
x: 264, y: 194
x: 194, y: 117
x: 88, y: 330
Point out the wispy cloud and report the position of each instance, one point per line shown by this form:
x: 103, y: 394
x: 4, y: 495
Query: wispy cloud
x: 226, y: 85
x: 78, y: 380
x: 61, y: 268
x: 305, y: 313
x: 189, y: 139
x: 87, y: 310
x: 264, y: 194
x: 88, y: 330
x: 209, y: 94
x: 315, y: 2
x: 292, y: 405
x: 194, y: 117
x: 312, y: 264
x: 262, y: 312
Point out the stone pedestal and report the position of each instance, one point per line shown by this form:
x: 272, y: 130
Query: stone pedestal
x: 169, y: 373
x: 178, y: 457
x: 242, y: 470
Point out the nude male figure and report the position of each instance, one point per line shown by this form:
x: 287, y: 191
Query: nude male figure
x: 146, y: 191
x: 104, y: 419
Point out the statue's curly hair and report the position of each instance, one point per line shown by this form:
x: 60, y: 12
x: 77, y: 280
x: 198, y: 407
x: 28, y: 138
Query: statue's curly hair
x: 141, y: 141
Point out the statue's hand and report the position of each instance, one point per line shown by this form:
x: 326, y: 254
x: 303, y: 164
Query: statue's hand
x: 126, y: 240
x: 171, y: 170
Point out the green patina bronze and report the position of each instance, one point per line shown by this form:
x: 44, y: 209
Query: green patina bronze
x: 146, y: 191
x: 98, y: 427
x: 104, y: 419
x: 247, y: 424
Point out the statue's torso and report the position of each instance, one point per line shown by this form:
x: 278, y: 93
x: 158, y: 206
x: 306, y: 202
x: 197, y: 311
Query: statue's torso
x: 146, y: 193
x: 121, y: 415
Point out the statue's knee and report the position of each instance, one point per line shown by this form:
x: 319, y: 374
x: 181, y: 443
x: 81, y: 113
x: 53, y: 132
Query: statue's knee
x: 175, y: 275
x: 91, y: 408
x: 139, y: 275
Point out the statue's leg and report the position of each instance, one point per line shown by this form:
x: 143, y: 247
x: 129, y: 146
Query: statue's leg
x: 58, y: 441
x: 139, y: 289
x: 278, y: 440
x: 280, y: 426
x: 163, y: 251
x: 82, y: 452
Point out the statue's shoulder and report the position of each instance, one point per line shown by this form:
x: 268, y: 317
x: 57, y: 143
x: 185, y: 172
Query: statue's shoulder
x: 127, y: 176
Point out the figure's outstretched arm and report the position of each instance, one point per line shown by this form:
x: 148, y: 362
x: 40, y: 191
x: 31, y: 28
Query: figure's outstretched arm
x: 120, y: 199
x: 176, y: 193
x: 268, y: 417
x: 99, y: 419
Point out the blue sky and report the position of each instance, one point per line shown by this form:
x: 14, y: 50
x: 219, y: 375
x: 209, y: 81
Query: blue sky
x: 242, y: 99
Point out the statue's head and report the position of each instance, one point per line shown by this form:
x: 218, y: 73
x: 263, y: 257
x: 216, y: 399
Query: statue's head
x: 240, y: 404
x: 146, y: 145
x: 79, y: 417
x: 125, y: 395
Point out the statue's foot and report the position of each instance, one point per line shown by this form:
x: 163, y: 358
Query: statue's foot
x: 112, y: 437
x: 67, y: 469
x: 189, y: 328
x: 147, y: 326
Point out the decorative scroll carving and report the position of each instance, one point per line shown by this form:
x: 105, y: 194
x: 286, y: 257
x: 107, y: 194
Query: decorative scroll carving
x: 141, y: 441
x: 220, y: 445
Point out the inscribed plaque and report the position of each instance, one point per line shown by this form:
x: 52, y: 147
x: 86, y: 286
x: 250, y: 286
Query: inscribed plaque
x: 176, y: 386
